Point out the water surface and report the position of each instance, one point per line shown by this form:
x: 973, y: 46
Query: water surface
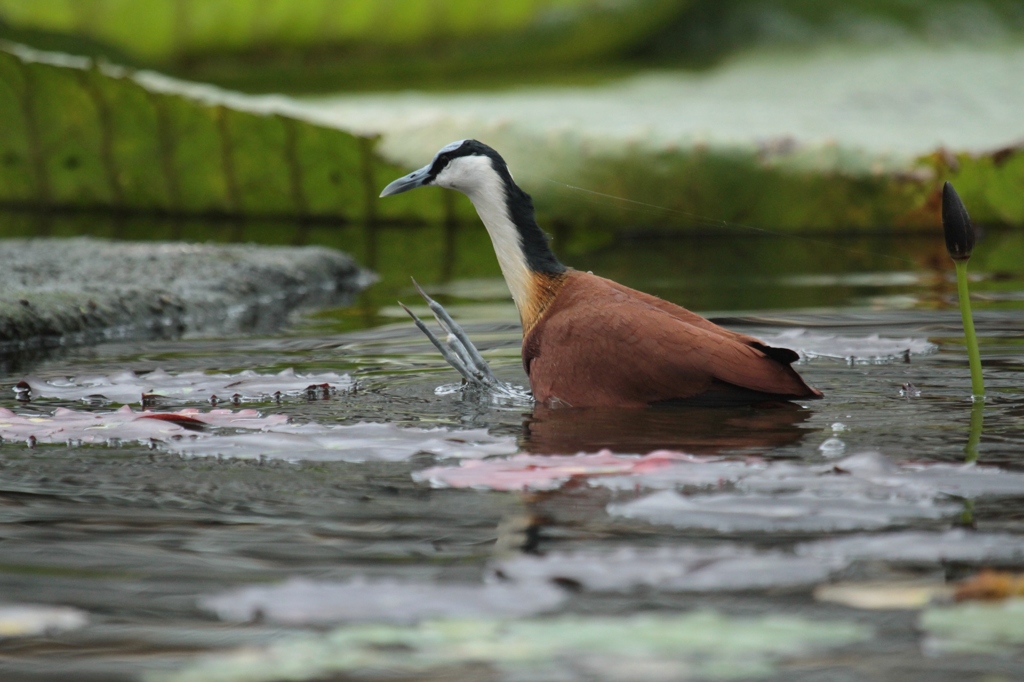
x: 137, y: 537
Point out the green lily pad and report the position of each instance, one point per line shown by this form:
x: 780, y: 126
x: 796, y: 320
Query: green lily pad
x: 826, y: 140
x: 975, y: 627
x: 82, y: 135
x: 162, y: 31
x: 702, y: 644
x: 745, y: 145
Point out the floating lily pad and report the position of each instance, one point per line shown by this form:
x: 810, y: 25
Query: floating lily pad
x: 869, y: 477
x: 170, y: 30
x: 871, y: 474
x: 919, y: 547
x: 738, y: 567
x: 861, y: 492
x: 824, y: 140
x: 871, y: 349
x: 663, y: 145
x: 71, y: 426
x: 22, y: 620
x: 542, y: 472
x: 794, y: 513
x: 991, y: 585
x: 702, y: 644
x: 80, y: 134
x: 300, y: 601
x: 974, y: 628
x: 894, y: 595
x: 247, y: 386
x: 245, y: 434
x: 682, y: 569
x: 346, y: 443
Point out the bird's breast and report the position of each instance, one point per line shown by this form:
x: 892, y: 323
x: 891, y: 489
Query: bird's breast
x: 541, y: 292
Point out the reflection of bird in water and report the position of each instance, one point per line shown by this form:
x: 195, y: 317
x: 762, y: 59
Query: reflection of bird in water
x: 696, y: 429
x: 588, y: 341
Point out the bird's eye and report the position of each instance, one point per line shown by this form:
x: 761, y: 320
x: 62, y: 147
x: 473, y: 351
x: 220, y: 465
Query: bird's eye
x: 441, y: 162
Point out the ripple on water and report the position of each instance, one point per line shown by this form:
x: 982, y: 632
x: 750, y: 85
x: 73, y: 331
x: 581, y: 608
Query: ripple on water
x: 748, y: 502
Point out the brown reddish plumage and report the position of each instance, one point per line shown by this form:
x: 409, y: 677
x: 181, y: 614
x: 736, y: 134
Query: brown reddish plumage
x: 598, y: 343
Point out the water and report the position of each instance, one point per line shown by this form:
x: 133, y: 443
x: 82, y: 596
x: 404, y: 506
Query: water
x: 140, y: 539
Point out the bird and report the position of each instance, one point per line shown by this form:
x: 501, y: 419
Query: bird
x: 592, y: 342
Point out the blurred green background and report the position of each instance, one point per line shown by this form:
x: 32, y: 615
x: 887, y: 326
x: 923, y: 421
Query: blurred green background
x: 328, y: 45
x: 789, y: 114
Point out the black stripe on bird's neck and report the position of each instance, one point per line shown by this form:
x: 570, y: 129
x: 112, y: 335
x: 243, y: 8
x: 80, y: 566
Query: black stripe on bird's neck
x: 536, y: 243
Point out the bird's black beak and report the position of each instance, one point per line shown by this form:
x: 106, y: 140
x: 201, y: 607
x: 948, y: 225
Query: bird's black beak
x: 417, y: 178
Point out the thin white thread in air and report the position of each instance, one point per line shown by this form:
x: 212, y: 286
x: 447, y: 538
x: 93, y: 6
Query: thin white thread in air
x: 714, y: 222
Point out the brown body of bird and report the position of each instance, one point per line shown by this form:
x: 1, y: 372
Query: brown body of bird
x: 589, y: 341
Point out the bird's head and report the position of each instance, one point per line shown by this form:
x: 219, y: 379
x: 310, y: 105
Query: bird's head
x: 506, y: 211
x: 468, y: 166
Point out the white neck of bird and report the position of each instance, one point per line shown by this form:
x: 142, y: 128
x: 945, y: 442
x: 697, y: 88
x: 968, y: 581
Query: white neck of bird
x: 489, y: 199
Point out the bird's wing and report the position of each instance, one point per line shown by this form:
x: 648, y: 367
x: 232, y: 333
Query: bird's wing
x: 598, y: 345
x: 784, y: 355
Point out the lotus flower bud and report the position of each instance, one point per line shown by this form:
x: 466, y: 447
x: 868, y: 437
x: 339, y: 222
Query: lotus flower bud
x: 957, y: 225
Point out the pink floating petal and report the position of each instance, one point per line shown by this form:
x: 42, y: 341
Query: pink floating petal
x: 548, y: 472
x: 245, y: 434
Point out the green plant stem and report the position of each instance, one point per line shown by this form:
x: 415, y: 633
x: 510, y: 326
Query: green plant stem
x: 974, y: 437
x: 967, y: 515
x: 973, y: 355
